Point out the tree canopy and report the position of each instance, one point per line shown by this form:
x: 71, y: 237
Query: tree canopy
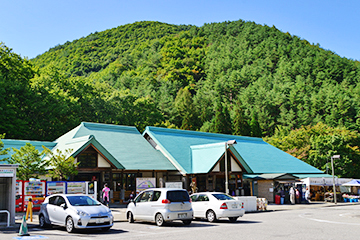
x: 232, y: 77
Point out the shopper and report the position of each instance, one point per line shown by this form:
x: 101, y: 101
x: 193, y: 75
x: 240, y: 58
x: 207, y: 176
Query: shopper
x: 106, y: 197
x: 307, y: 195
x: 292, y: 195
x: 297, y: 194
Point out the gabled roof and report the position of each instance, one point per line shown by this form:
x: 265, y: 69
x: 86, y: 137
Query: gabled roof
x: 255, y: 155
x: 17, y: 144
x: 204, y: 157
x: 77, y: 145
x: 124, y: 146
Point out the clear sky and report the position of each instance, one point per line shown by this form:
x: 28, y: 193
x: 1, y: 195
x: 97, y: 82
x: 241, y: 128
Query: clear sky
x: 30, y: 28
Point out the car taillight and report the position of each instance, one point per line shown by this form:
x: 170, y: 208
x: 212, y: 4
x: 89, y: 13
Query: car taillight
x: 165, y: 201
x: 223, y: 206
x: 242, y: 205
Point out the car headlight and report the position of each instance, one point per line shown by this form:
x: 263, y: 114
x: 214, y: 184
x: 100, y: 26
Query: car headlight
x: 82, y: 213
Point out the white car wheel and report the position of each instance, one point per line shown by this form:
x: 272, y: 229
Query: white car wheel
x: 159, y: 219
x: 211, y: 216
x: 131, y: 217
x: 70, y: 225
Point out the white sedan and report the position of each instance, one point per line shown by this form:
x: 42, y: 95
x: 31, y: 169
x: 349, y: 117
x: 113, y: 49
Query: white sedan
x: 215, y: 205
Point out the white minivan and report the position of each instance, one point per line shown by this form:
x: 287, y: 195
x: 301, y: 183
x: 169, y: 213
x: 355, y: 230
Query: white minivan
x: 160, y: 205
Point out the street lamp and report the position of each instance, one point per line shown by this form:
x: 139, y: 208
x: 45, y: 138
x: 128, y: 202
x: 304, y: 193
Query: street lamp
x: 228, y: 143
x: 333, y: 175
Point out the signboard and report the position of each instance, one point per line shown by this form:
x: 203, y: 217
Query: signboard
x: 7, y: 172
x: 145, y: 183
x: 174, y: 185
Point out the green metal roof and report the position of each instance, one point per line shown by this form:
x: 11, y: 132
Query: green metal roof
x: 257, y: 155
x: 269, y: 176
x: 204, y: 157
x: 324, y: 175
x: 122, y: 144
x: 17, y: 144
x: 77, y: 145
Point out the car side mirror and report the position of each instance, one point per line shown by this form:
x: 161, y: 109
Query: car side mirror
x: 63, y: 205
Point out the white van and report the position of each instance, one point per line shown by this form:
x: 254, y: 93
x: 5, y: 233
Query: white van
x: 160, y: 205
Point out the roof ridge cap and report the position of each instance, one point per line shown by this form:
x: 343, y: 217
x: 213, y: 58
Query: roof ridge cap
x: 110, y: 126
x: 192, y: 132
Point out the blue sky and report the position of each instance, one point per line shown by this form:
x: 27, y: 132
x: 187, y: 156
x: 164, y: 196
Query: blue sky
x: 30, y: 28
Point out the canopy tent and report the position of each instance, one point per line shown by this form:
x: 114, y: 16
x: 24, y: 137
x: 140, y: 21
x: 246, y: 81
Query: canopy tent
x: 324, y: 181
x: 353, y: 182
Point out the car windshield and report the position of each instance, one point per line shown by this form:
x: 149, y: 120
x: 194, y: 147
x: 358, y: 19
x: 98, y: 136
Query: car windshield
x: 178, y: 196
x: 82, y: 201
x: 220, y: 196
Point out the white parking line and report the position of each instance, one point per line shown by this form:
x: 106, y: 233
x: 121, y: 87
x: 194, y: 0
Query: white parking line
x: 326, y: 221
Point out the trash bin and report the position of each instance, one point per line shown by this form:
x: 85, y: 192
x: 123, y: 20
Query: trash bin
x: 282, y: 200
x: 277, y: 199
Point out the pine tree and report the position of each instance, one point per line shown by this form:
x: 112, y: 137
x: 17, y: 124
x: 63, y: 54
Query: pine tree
x: 240, y: 124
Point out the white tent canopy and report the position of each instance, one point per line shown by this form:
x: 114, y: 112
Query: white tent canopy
x: 322, y: 181
x: 353, y: 182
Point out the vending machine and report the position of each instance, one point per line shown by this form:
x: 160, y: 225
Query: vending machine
x: 88, y: 188
x: 53, y: 187
x: 36, y: 191
x: 19, y: 198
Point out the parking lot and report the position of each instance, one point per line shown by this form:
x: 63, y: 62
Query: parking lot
x: 323, y: 221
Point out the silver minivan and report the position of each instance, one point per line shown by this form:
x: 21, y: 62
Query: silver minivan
x: 160, y: 205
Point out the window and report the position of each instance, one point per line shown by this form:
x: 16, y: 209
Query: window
x: 157, y: 195
x: 222, y: 197
x: 203, y: 198
x: 52, y: 200
x: 146, y: 197
x: 178, y: 196
x: 87, y: 160
x: 193, y: 198
x: 60, y: 201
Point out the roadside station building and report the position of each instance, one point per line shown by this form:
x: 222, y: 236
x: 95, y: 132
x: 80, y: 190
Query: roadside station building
x: 117, y: 155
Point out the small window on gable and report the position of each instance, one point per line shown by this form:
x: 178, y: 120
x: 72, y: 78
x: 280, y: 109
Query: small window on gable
x: 88, y: 159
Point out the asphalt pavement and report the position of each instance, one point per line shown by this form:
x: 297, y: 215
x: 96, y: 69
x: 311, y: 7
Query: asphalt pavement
x: 118, y: 211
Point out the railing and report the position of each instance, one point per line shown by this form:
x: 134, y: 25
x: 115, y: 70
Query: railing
x: 8, y: 216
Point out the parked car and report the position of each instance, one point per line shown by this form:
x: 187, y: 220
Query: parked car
x: 74, y: 211
x: 215, y: 205
x: 160, y: 205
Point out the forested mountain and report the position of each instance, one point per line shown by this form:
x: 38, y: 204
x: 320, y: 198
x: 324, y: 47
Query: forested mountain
x: 231, y: 77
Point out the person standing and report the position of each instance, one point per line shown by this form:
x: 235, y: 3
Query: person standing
x: 132, y: 196
x: 292, y: 195
x: 106, y: 197
x: 307, y: 195
x: 297, y: 194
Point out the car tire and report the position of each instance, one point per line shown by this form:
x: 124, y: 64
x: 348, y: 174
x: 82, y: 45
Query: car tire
x: 42, y: 222
x: 186, y: 222
x: 233, y: 219
x: 70, y: 225
x: 159, y: 219
x: 211, y: 216
x: 130, y: 217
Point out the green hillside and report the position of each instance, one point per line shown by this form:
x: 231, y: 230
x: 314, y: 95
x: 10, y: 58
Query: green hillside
x: 231, y: 77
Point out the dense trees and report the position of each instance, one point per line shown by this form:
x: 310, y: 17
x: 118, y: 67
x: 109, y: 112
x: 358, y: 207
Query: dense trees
x: 230, y: 77
x: 316, y: 144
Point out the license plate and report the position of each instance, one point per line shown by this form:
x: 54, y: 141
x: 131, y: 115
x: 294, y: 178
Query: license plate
x: 234, y: 205
x: 182, y: 215
x: 100, y: 220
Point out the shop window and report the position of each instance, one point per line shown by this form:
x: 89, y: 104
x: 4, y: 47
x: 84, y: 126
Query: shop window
x: 87, y: 160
